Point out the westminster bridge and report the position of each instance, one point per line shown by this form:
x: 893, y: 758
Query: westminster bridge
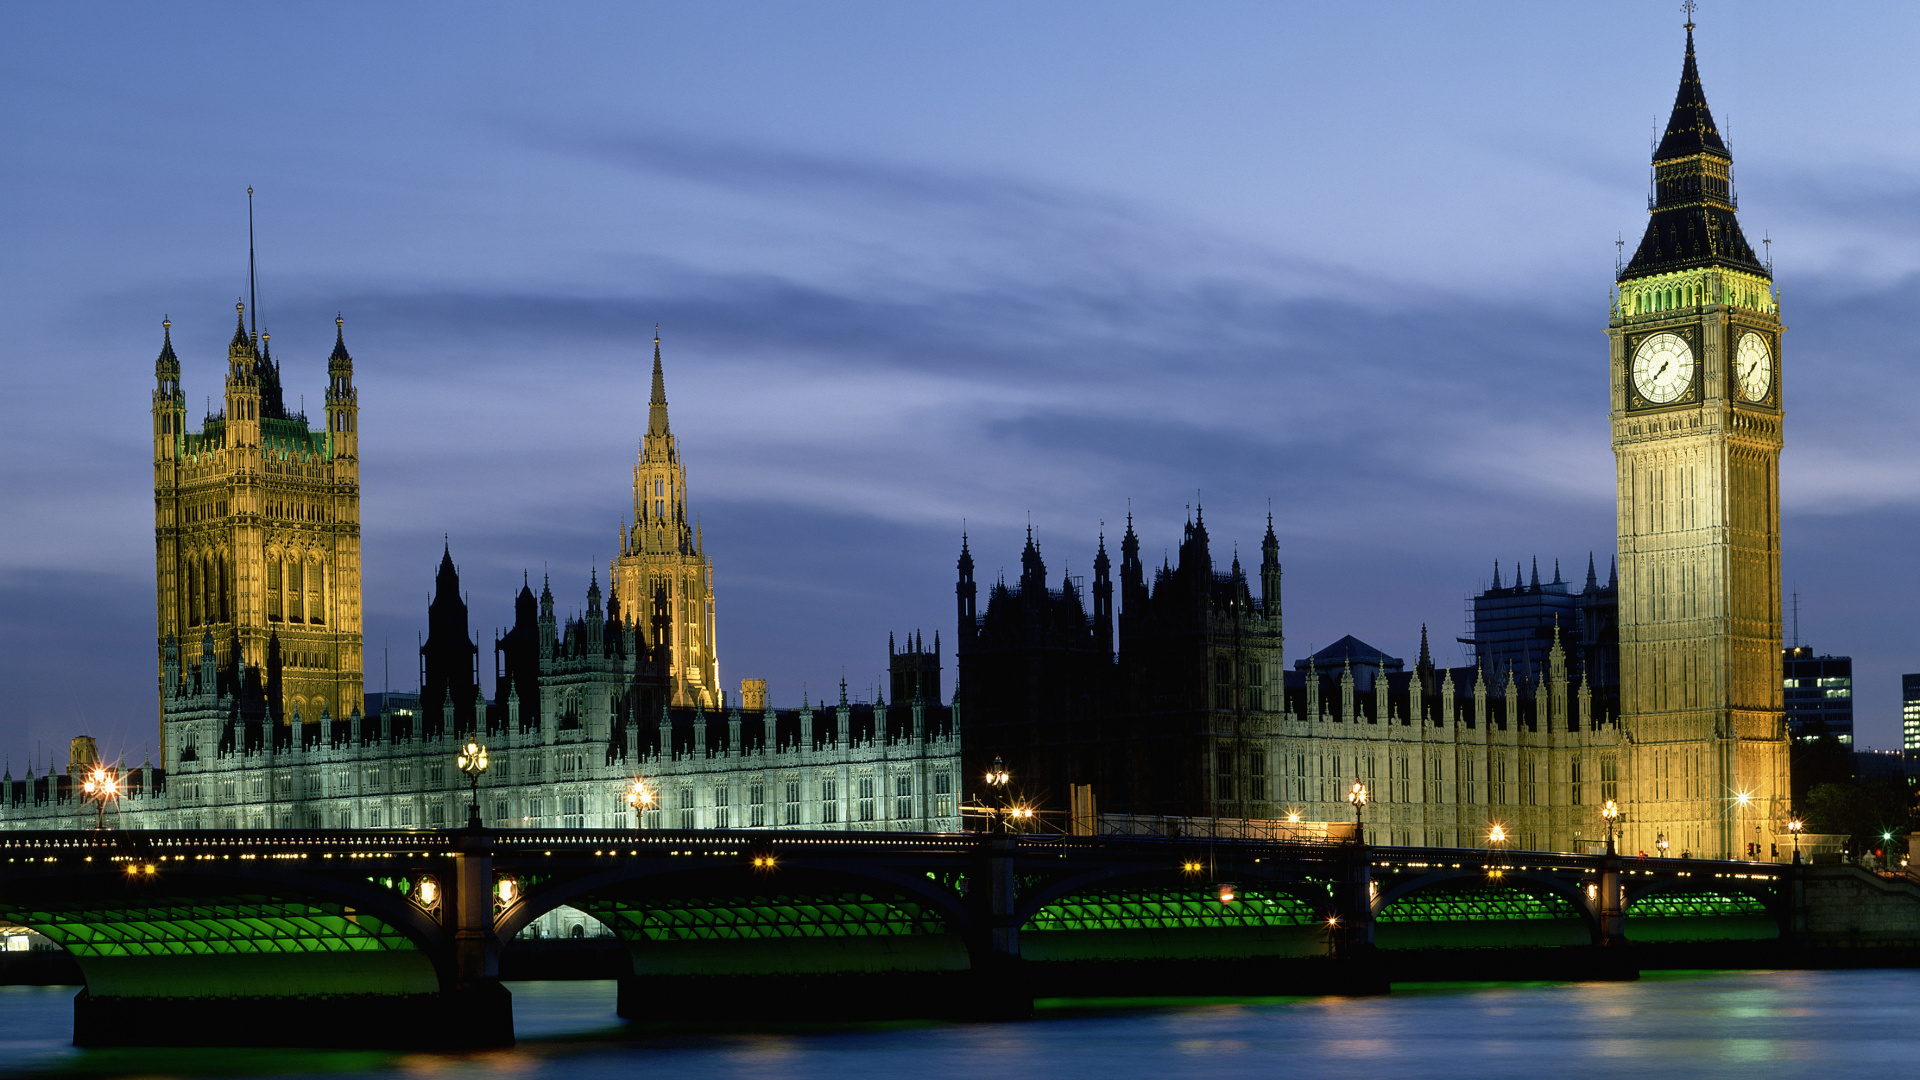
x: 395, y: 938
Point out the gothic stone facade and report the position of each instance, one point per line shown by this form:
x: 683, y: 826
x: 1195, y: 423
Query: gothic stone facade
x: 1196, y: 715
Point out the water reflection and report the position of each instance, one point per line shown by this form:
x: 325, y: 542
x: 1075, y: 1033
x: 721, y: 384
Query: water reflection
x: 1750, y: 1025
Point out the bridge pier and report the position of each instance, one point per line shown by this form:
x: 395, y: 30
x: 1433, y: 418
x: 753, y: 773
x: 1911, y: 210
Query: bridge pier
x: 1000, y: 986
x: 476, y: 1009
x: 1612, y: 929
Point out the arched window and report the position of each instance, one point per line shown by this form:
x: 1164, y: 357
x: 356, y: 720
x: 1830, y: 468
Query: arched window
x: 193, y: 592
x: 273, y: 588
x: 226, y: 609
x: 294, y: 588
x: 317, y: 594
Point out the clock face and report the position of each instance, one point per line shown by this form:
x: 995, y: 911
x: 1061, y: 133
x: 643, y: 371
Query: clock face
x: 1662, y: 368
x: 1753, y: 367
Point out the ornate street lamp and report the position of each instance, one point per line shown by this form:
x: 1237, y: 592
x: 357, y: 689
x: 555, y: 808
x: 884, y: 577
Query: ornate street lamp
x: 1741, y: 799
x: 1357, y: 795
x: 101, y: 786
x: 1794, y: 825
x: 472, y: 761
x: 1611, y: 813
x: 1661, y: 844
x: 640, y: 797
x: 1496, y: 834
x: 997, y: 779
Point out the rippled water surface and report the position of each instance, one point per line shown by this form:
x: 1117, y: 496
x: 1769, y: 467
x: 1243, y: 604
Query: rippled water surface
x: 1750, y: 1025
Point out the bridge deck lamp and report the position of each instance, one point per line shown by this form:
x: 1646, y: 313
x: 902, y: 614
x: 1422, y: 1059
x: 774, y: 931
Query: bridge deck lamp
x: 1611, y: 813
x: 1794, y: 825
x: 1662, y: 845
x: 101, y: 787
x: 1497, y: 834
x: 1741, y: 799
x: 1357, y: 795
x: 997, y: 779
x: 472, y: 761
x: 640, y: 797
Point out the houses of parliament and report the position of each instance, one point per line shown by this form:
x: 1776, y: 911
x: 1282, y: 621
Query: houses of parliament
x: 1164, y: 693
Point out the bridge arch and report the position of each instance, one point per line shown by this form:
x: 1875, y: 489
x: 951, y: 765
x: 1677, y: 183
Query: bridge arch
x: 1677, y: 908
x: 1468, y: 907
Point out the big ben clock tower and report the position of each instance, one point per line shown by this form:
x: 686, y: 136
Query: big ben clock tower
x: 1696, y: 410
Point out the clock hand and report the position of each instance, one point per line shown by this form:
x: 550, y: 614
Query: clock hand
x: 1663, y: 369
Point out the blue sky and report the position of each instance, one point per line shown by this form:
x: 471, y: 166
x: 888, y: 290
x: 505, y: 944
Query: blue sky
x: 921, y: 264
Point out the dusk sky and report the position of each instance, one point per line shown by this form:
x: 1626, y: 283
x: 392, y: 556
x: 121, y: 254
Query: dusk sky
x: 920, y: 264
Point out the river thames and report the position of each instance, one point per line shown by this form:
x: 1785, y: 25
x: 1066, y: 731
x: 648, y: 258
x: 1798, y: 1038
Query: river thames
x: 1669, y: 1025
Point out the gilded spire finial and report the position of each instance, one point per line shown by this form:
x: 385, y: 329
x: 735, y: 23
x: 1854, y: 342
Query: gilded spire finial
x: 1689, y: 7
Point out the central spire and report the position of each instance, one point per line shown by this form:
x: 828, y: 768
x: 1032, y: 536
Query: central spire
x: 657, y: 406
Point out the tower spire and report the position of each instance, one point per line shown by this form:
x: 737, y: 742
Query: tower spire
x: 253, y: 289
x: 657, y: 404
x: 1693, y: 221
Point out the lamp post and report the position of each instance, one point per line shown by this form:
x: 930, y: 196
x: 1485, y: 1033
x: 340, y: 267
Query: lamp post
x: 1741, y: 799
x: 1357, y: 795
x: 640, y: 797
x: 1661, y: 845
x: 997, y: 778
x: 472, y: 761
x: 101, y: 787
x: 1794, y: 825
x: 1611, y: 813
x: 1496, y: 835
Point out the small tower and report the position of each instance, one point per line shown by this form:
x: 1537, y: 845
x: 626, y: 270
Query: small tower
x: 1103, y: 597
x: 964, y: 592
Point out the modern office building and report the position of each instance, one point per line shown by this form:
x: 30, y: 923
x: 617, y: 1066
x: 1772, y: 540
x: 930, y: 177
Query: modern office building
x: 1819, y: 695
x: 1910, y: 712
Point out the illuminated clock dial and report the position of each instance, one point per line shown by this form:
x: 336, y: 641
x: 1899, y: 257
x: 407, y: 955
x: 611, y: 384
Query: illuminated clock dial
x: 1753, y: 367
x: 1662, y: 368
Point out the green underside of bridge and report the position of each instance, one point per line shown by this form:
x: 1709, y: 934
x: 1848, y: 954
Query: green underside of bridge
x: 230, y: 946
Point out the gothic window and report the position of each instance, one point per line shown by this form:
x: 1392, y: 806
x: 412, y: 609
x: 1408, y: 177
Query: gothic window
x: 1529, y: 786
x: 722, y: 819
x: 373, y: 817
x: 437, y: 774
x: 256, y: 787
x: 902, y: 797
x: 273, y: 590
x: 372, y: 777
x: 226, y: 591
x: 829, y: 801
x: 1497, y: 793
x: 317, y: 594
x: 793, y: 799
x: 1257, y: 776
x: 193, y: 592
x: 942, y: 794
x: 1610, y: 779
x: 756, y: 805
x: 866, y: 798
x: 403, y: 816
x: 295, y: 588
x: 1578, y: 796
x: 1223, y: 775
x: 687, y: 808
x: 1467, y: 790
x: 573, y: 810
